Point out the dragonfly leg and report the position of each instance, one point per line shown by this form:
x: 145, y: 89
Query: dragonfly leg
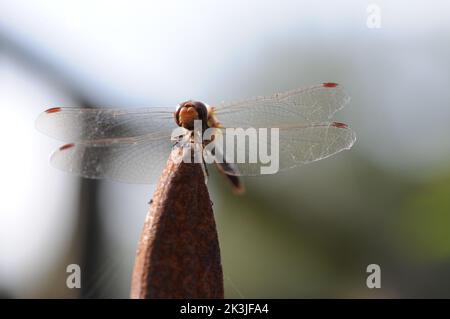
x: 205, y: 171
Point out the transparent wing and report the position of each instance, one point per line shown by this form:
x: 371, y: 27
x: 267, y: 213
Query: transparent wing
x: 130, y: 160
x: 296, y: 146
x: 313, y: 104
x: 83, y: 124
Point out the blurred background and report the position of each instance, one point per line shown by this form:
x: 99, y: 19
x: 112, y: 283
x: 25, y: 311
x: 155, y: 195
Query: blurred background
x: 307, y: 232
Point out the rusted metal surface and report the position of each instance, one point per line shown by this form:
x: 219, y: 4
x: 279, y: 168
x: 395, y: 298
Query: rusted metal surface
x: 178, y: 254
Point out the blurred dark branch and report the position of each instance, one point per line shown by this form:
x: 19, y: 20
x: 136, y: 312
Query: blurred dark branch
x: 88, y: 229
x: 37, y: 62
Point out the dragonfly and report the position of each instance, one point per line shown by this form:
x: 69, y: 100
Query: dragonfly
x: 133, y: 145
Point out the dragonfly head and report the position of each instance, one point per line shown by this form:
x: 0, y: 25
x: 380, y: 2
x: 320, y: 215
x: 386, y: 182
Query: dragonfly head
x: 189, y: 111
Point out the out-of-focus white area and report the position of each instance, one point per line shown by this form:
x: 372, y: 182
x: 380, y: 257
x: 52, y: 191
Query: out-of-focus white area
x: 158, y: 53
x: 38, y: 202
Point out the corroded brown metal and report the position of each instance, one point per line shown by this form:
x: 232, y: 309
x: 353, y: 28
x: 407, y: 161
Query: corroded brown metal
x: 178, y: 254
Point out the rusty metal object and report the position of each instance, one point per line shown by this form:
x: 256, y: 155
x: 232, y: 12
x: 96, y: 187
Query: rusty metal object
x: 178, y: 254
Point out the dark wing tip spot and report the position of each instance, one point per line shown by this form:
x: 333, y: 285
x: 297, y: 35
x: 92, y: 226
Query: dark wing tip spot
x: 66, y: 146
x: 339, y: 125
x: 53, y: 110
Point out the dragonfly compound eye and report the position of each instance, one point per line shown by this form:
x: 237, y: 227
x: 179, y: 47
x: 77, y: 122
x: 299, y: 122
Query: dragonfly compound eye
x: 190, y: 111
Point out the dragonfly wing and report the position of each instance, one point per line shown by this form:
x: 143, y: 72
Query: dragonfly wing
x: 296, y: 146
x: 313, y: 104
x: 84, y: 124
x: 132, y: 160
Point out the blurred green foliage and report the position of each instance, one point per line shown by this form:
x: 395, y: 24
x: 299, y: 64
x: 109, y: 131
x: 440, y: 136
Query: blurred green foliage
x: 425, y: 219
